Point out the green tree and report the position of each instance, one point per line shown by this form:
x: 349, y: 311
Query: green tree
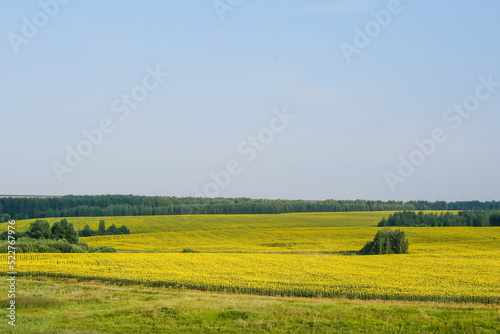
x: 399, y: 242
x: 387, y: 241
x: 39, y: 229
x: 72, y: 234
x: 113, y: 230
x: 102, y: 227
x: 64, y: 230
x: 87, y: 232
x: 59, y: 229
x: 124, y: 230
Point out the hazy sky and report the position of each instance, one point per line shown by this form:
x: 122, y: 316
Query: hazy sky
x: 263, y: 99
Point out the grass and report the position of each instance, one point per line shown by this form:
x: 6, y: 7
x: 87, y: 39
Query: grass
x: 300, y: 254
x: 49, y: 305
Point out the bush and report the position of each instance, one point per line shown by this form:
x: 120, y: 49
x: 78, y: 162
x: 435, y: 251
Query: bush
x: 189, y: 250
x: 61, y: 238
x: 39, y: 229
x: 83, y: 245
x: 387, y: 241
x: 5, y: 218
x: 102, y: 249
x: 28, y: 245
x: 112, y: 230
x: 64, y: 230
x: 87, y: 232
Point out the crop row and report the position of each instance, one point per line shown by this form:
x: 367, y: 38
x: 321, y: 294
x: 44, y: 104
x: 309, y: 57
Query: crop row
x: 443, y: 278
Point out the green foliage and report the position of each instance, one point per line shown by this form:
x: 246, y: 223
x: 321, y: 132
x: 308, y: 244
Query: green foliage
x: 128, y: 205
x: 102, y: 227
x: 102, y: 249
x: 28, y: 245
x: 87, y: 232
x: 463, y: 218
x: 39, y: 229
x: 112, y: 230
x: 189, y: 250
x: 4, y: 235
x: 123, y: 230
x: 64, y: 230
x: 387, y: 241
x: 5, y: 217
x: 62, y: 237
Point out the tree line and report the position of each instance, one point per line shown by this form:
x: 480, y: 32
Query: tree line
x: 61, y: 237
x: 463, y: 218
x: 112, y: 230
x: 129, y: 205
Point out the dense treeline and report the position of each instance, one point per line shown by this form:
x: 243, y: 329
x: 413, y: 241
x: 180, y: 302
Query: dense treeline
x: 128, y: 205
x: 463, y: 218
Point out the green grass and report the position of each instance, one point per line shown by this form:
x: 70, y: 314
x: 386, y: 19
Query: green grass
x: 70, y: 306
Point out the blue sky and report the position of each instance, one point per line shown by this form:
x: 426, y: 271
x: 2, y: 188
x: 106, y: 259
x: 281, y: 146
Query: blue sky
x: 228, y: 79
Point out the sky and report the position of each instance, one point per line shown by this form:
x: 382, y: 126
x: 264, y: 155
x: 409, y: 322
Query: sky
x: 381, y: 100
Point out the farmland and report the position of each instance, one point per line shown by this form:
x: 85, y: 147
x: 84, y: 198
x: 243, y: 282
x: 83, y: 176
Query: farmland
x: 289, y: 255
x: 472, y: 278
x: 286, y: 273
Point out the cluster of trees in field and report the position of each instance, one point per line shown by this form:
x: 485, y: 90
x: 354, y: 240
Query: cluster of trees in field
x: 61, y: 237
x: 463, y: 218
x: 387, y: 241
x: 129, y: 205
x: 112, y: 230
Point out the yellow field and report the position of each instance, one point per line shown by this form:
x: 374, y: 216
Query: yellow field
x: 145, y: 224
x: 444, y: 264
x: 423, y: 240
x: 459, y: 278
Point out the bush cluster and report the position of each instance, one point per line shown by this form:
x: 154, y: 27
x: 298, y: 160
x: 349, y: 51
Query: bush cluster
x: 387, y: 241
x: 28, y: 245
x: 102, y: 249
x: 189, y: 250
x: 42, y: 238
x: 112, y: 230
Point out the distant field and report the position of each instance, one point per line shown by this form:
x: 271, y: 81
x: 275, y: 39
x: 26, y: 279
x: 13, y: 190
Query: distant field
x: 287, y: 254
x: 424, y: 240
x: 145, y: 224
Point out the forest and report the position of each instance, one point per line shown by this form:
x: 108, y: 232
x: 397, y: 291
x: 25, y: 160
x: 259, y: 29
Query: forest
x: 129, y: 205
x: 463, y: 218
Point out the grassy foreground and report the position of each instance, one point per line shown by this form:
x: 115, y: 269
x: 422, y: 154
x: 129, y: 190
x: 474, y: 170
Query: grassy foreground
x: 50, y: 305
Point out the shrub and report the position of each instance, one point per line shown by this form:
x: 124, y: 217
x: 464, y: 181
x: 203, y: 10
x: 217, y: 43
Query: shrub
x: 27, y: 245
x: 64, y: 230
x: 112, y: 230
x: 102, y: 249
x: 189, y: 250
